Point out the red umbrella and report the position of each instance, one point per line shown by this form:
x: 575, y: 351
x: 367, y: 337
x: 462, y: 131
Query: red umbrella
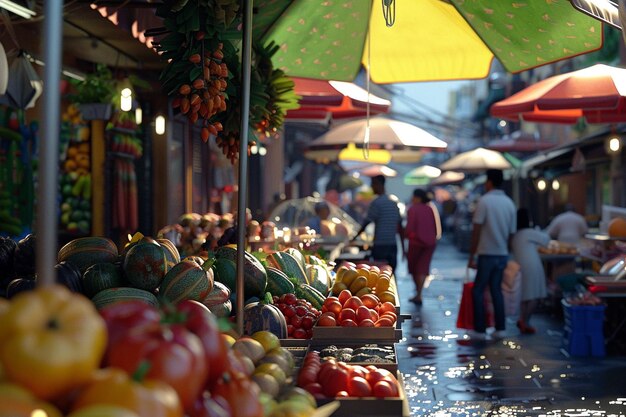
x: 339, y: 100
x: 597, y: 93
x: 519, y: 141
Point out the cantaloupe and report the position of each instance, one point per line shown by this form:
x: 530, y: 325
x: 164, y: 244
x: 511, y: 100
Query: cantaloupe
x: 617, y: 227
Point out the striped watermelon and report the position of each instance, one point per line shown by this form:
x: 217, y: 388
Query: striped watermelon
x: 187, y: 280
x: 277, y: 282
x: 145, y: 265
x: 288, y: 264
x: 115, y: 295
x: 101, y: 276
x: 219, y: 294
x: 171, y: 253
x: 87, y: 251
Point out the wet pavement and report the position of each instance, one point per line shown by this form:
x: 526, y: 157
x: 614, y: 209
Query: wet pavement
x: 448, y: 374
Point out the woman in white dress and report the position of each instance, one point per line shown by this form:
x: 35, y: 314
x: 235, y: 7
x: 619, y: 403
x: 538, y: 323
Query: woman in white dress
x: 525, y: 244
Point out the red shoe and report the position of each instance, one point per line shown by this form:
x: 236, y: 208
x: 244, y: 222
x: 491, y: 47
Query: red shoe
x: 524, y: 328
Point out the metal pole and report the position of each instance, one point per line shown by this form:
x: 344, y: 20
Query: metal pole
x: 246, y: 60
x: 49, y: 150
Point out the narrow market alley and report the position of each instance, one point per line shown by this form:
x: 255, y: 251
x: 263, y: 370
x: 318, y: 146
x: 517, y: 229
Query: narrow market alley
x: 447, y: 374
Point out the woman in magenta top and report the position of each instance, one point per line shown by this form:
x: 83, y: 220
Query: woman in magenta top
x: 422, y: 231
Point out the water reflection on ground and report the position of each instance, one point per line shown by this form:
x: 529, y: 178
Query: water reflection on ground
x: 446, y: 373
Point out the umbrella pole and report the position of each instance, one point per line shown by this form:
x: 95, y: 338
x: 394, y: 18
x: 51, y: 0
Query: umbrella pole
x: 246, y: 60
x: 49, y: 151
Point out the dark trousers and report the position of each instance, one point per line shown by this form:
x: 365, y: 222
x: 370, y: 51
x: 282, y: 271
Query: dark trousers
x: 489, y: 274
x: 385, y: 253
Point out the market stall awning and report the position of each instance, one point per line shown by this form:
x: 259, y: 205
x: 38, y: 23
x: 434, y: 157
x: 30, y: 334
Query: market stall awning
x: 322, y: 100
x: 520, y: 141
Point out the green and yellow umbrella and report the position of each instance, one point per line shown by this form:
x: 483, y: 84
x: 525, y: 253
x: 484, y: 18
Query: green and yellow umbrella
x: 430, y: 39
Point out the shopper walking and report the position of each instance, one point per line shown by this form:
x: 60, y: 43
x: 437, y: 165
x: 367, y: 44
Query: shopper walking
x: 384, y: 212
x: 422, y: 232
x: 524, y: 247
x: 494, y: 223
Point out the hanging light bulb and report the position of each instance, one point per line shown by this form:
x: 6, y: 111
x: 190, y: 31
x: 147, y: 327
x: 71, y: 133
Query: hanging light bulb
x: 556, y: 185
x: 159, y: 125
x: 542, y: 185
x: 138, y: 115
x: 126, y: 102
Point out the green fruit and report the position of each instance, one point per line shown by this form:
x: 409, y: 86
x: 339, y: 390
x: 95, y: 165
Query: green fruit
x: 84, y: 226
x: 76, y: 216
x: 66, y: 207
x: 67, y: 190
x: 65, y: 217
x: 85, y: 205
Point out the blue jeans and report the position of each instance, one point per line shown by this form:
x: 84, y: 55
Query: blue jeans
x: 489, y: 273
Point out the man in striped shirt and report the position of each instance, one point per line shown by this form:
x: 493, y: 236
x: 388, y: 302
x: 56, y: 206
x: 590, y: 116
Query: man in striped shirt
x: 385, y: 214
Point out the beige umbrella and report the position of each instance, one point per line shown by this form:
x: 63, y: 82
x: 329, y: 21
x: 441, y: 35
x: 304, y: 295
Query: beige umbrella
x: 421, y: 175
x: 388, y: 139
x: 374, y: 170
x: 448, y: 177
x: 478, y: 159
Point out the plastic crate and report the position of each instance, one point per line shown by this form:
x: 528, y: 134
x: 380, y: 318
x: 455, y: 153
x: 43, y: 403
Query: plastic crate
x: 581, y: 344
x: 584, y: 319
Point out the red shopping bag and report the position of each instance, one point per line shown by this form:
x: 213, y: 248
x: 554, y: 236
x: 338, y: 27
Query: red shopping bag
x: 465, y: 319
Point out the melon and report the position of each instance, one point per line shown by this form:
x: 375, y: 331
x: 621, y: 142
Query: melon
x: 617, y: 227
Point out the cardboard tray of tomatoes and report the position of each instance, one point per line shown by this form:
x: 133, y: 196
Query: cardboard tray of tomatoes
x: 342, y: 334
x: 392, y: 367
x: 372, y: 406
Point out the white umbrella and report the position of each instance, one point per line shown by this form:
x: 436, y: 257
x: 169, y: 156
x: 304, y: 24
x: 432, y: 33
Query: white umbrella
x: 448, y: 177
x: 421, y: 175
x: 399, y: 139
x: 478, y: 159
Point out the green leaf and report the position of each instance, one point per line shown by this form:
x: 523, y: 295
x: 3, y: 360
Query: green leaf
x: 196, y: 72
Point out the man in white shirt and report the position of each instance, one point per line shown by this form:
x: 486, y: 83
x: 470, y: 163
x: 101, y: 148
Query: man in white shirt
x: 494, y: 223
x: 568, y: 227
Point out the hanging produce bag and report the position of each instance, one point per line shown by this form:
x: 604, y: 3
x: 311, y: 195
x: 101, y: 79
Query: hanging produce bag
x: 465, y: 319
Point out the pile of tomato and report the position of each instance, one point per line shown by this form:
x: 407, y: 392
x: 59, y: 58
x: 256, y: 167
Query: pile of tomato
x: 332, y: 379
x: 132, y: 357
x: 347, y: 310
x: 299, y: 314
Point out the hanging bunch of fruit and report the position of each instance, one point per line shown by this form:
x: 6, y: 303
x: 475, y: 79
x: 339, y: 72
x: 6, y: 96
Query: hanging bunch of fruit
x: 197, y: 76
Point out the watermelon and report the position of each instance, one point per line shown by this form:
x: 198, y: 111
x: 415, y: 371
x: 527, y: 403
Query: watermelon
x: 222, y: 309
x: 319, y: 278
x: 99, y: 277
x: 310, y: 294
x: 87, y: 251
x: 255, y: 275
x: 115, y: 295
x: 219, y: 294
x: 259, y: 316
x: 145, y: 265
x: 297, y: 255
x: 277, y: 282
x: 171, y: 253
x: 288, y: 264
x: 187, y: 280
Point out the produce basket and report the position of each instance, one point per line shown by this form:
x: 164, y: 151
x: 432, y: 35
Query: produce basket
x: 362, y: 334
x: 360, y: 353
x: 370, y: 406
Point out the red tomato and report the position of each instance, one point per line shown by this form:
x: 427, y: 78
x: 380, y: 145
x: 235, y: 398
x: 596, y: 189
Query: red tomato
x: 370, y: 300
x: 210, y: 406
x: 307, y: 322
x: 349, y: 323
x: 334, y: 307
x: 334, y: 381
x: 347, y: 314
x: 314, y: 388
x: 366, y: 323
x: 377, y: 374
x: 296, y: 321
x: 330, y: 299
x: 290, y: 330
x: 290, y: 299
x: 363, y: 313
x: 289, y: 311
x: 358, y: 370
x: 201, y: 322
x: 391, y: 315
x: 387, y: 306
x: 344, y: 295
x: 301, y: 311
x: 306, y: 376
x: 299, y: 333
x: 375, y: 316
x: 384, y: 322
x: 124, y: 316
x: 384, y: 388
x: 174, y: 355
x: 359, y: 387
x: 353, y: 303
x: 325, y: 368
x: 241, y: 394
